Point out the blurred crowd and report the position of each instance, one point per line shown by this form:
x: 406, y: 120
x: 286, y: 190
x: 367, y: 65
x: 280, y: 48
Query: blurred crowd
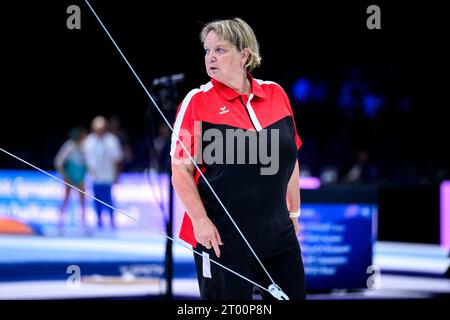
x: 364, y: 123
x: 372, y: 123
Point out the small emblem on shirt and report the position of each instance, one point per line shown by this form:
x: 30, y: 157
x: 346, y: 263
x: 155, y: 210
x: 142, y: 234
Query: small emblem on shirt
x: 223, y: 110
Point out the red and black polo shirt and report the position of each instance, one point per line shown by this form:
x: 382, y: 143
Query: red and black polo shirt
x: 257, y: 202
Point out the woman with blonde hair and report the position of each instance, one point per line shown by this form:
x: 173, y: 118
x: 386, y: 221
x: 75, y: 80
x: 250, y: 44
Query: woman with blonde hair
x: 262, y: 196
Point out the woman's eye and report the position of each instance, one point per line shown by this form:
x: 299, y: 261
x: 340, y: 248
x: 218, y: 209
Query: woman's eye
x: 220, y: 50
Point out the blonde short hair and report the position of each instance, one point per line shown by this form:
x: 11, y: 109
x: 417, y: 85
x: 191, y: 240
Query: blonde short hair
x: 240, y: 34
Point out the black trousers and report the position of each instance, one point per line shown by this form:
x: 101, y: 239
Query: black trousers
x: 219, y: 284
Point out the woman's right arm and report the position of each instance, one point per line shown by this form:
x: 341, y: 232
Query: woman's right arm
x: 204, y: 230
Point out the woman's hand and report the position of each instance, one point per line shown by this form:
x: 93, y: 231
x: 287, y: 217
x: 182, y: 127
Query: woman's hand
x: 296, y: 225
x: 206, y: 234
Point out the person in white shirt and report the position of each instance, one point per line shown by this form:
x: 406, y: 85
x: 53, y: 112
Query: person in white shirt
x: 103, y: 155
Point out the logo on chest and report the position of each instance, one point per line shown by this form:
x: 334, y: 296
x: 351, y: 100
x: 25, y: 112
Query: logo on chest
x: 223, y: 110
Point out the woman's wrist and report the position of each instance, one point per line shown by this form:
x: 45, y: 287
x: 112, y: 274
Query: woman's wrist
x: 295, y: 214
x: 198, y: 220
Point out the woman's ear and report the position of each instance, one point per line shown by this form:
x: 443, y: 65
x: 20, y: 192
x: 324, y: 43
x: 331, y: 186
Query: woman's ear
x: 245, y: 54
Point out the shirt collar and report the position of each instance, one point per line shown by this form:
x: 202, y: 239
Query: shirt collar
x: 230, y: 94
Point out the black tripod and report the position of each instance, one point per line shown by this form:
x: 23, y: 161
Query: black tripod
x: 166, y: 90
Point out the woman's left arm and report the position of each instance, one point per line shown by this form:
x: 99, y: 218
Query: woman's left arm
x: 293, y: 195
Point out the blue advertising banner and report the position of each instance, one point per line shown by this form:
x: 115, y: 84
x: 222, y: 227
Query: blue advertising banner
x: 336, y: 238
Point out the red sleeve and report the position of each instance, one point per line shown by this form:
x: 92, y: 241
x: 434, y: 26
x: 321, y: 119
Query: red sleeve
x: 187, y: 231
x: 298, y: 141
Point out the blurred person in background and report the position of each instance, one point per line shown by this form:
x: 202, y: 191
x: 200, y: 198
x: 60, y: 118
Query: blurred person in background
x: 363, y: 171
x: 104, y: 157
x: 71, y: 164
x: 115, y: 127
x: 160, y: 161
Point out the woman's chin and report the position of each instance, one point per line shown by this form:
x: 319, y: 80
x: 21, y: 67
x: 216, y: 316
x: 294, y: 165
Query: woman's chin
x: 216, y: 77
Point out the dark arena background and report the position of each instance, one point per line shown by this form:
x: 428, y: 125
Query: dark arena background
x: 370, y: 106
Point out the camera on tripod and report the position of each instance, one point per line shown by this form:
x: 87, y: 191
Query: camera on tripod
x: 167, y: 90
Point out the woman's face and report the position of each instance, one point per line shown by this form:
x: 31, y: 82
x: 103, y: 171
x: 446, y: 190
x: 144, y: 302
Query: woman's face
x: 223, y: 61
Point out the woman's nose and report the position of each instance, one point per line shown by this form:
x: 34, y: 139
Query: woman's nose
x: 211, y: 57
